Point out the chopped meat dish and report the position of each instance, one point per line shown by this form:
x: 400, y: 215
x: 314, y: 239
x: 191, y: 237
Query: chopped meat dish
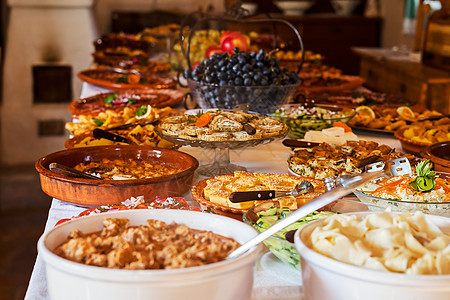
x: 155, y: 245
x: 118, y: 169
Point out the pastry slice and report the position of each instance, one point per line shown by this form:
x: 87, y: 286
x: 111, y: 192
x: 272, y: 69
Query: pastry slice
x: 221, y: 123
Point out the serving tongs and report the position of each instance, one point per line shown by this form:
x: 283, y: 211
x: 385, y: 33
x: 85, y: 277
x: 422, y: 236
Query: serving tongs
x: 345, y: 186
x: 100, y: 133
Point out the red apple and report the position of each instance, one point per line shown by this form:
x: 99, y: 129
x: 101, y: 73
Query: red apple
x: 225, y: 34
x: 234, y: 39
x: 213, y: 50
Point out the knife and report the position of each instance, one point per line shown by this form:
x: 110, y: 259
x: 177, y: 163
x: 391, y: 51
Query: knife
x: 100, y: 133
x: 302, y: 187
x: 299, y: 144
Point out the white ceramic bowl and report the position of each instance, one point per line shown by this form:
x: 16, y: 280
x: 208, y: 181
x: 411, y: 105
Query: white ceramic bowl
x: 326, y: 278
x: 229, y: 279
x: 294, y: 8
x: 344, y: 7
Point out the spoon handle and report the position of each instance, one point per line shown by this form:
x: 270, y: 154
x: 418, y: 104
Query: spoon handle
x: 68, y: 171
x: 345, y: 188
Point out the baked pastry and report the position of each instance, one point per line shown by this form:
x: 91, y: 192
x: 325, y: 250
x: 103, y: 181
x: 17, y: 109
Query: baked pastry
x: 219, y: 188
x: 221, y: 126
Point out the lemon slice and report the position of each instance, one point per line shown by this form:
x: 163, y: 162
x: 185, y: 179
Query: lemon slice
x: 365, y: 110
x: 405, y: 112
x: 107, y: 121
x: 147, y: 114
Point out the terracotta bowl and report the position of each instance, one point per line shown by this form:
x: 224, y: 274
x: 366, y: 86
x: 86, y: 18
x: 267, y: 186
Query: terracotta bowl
x: 157, y: 98
x: 439, y: 154
x: 408, y: 145
x: 236, y: 213
x: 91, y: 192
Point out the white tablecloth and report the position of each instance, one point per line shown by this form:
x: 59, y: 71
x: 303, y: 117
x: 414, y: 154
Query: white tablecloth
x: 273, y: 280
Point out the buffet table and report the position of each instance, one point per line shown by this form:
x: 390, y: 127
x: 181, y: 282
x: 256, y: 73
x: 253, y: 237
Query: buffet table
x: 273, y: 279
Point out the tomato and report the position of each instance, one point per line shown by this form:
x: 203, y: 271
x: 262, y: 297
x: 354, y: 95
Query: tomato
x: 159, y: 203
x: 61, y: 221
x: 232, y: 40
x: 213, y: 50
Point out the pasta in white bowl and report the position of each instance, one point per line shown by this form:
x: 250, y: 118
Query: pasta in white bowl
x: 370, y: 255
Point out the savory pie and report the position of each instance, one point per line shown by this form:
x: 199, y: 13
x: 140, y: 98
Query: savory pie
x: 219, y: 188
x: 326, y: 160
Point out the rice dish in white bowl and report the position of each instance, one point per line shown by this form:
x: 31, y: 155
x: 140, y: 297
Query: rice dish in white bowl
x: 228, y: 279
x: 376, y: 255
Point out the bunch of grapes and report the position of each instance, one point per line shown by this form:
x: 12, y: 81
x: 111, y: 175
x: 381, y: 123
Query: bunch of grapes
x: 242, y: 69
x: 224, y: 81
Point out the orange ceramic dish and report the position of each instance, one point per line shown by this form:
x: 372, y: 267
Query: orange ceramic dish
x: 347, y: 82
x: 136, y: 203
x: 439, y: 154
x: 156, y: 98
x: 414, y: 147
x: 91, y: 192
x: 198, y: 193
x: 110, y: 79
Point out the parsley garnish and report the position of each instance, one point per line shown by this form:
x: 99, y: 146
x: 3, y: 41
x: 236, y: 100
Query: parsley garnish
x: 98, y: 122
x: 122, y: 79
x: 141, y: 111
x: 109, y: 99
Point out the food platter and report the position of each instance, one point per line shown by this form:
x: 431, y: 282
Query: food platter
x: 157, y: 98
x: 328, y: 160
x: 414, y: 147
x: 237, y: 213
x: 372, y: 130
x: 221, y: 164
x: 116, y: 79
x: 347, y: 82
x: 146, y: 137
x: 92, y: 192
x: 136, y: 203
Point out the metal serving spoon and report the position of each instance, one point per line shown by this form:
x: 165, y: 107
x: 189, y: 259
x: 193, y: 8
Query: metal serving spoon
x: 345, y: 187
x: 68, y: 171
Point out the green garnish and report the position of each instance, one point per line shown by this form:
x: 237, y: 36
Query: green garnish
x: 98, y: 122
x: 141, y: 111
x: 192, y: 119
x: 122, y: 79
x: 131, y: 101
x: 109, y: 99
x: 424, y: 181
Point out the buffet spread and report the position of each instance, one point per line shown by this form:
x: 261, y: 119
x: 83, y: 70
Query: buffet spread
x: 144, y: 193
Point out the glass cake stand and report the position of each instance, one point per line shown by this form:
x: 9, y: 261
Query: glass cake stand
x: 221, y: 164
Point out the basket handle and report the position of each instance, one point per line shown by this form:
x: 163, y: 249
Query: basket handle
x: 203, y: 18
